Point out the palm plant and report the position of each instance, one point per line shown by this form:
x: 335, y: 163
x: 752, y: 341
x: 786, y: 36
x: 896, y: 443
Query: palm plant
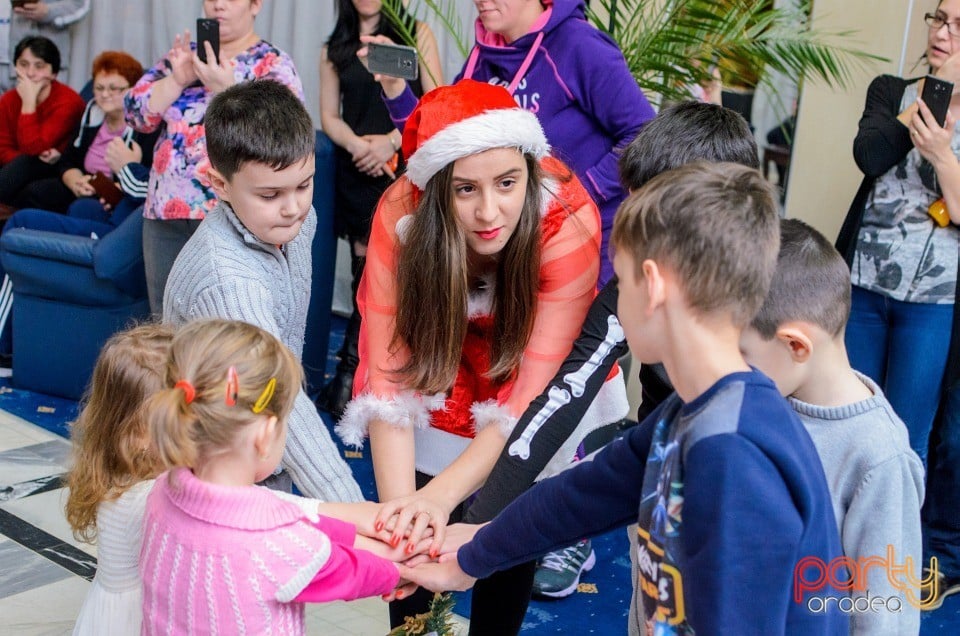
x: 670, y: 45
x: 678, y: 43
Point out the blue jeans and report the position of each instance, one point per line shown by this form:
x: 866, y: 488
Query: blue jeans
x: 941, y: 510
x: 902, y: 346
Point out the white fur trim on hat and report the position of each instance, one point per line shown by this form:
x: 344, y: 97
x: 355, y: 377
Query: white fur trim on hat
x: 500, y: 128
x: 489, y: 412
x: 403, y: 410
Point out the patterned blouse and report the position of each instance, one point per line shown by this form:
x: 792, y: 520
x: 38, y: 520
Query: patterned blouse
x: 178, y: 186
x: 901, y: 252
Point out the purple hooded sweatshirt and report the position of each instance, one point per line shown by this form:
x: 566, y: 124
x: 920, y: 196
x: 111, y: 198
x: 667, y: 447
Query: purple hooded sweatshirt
x: 575, y: 80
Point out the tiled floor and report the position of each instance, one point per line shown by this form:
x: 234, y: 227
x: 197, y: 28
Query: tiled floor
x: 45, y: 572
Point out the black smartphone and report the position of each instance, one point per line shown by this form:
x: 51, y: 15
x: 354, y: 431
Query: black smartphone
x: 20, y: 3
x: 208, y: 31
x: 936, y: 95
x: 393, y: 60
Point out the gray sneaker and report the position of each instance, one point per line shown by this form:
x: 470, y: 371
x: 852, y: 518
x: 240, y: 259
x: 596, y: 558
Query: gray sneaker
x: 558, y: 573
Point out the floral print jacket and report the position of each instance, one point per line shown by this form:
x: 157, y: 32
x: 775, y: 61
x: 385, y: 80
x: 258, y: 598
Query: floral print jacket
x: 178, y: 186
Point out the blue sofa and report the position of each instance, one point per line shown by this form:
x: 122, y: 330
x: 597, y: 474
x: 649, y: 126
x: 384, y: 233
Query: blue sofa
x: 71, y: 293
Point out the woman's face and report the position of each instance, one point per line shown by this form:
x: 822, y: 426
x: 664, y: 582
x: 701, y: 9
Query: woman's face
x: 235, y: 17
x: 367, y: 8
x: 34, y: 68
x: 108, y: 90
x: 509, y: 18
x: 940, y: 44
x: 489, y: 189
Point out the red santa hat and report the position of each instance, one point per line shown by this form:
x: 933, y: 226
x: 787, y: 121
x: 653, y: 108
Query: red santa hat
x: 452, y: 122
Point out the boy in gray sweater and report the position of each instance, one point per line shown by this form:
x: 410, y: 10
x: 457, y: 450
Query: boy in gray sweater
x: 250, y: 259
x: 875, y: 479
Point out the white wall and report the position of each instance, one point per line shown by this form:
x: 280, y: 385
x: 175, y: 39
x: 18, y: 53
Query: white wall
x: 823, y: 176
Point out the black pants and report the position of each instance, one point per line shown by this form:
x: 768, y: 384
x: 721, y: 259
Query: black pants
x: 16, y: 176
x: 499, y: 602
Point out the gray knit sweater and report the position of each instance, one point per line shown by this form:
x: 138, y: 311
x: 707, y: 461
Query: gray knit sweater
x: 876, y: 485
x: 224, y: 271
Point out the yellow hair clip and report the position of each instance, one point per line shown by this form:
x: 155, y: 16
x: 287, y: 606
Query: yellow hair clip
x: 265, y: 396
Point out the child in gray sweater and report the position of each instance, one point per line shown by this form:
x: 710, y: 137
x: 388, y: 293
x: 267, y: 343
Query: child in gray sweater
x: 875, y: 479
x: 250, y: 259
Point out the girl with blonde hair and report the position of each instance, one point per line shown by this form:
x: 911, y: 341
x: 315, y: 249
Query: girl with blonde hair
x: 113, y: 470
x: 221, y: 554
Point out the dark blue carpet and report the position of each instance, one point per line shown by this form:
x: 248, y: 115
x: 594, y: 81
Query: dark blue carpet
x: 599, y: 607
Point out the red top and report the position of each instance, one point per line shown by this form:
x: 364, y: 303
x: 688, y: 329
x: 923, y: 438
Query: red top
x: 50, y: 126
x: 570, y: 261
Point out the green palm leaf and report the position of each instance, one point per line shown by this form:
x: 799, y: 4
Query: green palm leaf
x: 676, y: 46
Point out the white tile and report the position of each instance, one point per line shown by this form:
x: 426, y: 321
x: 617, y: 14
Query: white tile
x: 11, y: 422
x: 47, y: 610
x: 46, y: 512
x: 12, y: 437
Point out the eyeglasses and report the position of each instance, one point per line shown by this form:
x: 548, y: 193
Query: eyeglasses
x: 937, y: 20
x: 109, y: 89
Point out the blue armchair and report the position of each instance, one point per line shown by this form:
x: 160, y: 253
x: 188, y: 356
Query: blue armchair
x: 71, y: 293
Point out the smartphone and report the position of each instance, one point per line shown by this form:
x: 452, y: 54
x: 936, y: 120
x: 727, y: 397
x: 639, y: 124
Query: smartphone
x: 393, y: 60
x: 20, y: 3
x: 106, y: 189
x: 936, y: 95
x: 208, y: 31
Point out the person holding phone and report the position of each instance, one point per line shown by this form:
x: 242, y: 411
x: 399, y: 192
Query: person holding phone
x: 102, y: 143
x: 174, y: 94
x: 566, y: 72
x: 904, y: 269
x: 49, y: 18
x: 367, y: 149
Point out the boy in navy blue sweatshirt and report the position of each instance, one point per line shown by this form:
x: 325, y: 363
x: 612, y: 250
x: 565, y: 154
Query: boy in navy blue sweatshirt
x: 725, y: 483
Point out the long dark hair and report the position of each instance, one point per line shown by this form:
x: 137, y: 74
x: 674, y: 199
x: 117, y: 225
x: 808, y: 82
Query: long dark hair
x: 435, y: 337
x: 345, y: 40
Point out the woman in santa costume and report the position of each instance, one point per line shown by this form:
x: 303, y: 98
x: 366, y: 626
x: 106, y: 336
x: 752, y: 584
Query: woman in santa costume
x: 482, y: 263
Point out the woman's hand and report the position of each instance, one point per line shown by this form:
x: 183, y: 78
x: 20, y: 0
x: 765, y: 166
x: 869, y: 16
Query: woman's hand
x: 36, y: 11
x: 931, y: 139
x: 118, y: 154
x: 378, y: 152
x: 216, y: 76
x: 78, y: 183
x: 50, y: 156
x: 180, y: 60
x: 412, y: 517
x: 29, y: 91
x: 392, y: 86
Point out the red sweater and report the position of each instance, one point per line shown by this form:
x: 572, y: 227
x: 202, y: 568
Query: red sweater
x: 49, y: 127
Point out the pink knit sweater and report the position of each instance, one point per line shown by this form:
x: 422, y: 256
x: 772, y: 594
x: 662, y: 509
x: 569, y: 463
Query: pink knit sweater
x: 243, y: 560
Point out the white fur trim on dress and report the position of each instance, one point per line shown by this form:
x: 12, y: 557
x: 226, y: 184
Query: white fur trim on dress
x: 500, y: 128
x: 403, y: 410
x: 489, y: 412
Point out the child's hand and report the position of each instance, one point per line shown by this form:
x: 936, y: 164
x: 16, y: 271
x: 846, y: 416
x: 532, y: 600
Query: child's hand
x: 386, y: 551
x: 412, y: 517
x: 458, y: 535
x: 439, y: 577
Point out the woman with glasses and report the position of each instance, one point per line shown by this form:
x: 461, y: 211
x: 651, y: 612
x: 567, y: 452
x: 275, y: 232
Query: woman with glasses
x: 904, y: 265
x: 102, y: 143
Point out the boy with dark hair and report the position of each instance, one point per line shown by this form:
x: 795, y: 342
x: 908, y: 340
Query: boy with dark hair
x: 708, y: 133
x: 727, y: 484
x: 875, y: 479
x: 250, y: 258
